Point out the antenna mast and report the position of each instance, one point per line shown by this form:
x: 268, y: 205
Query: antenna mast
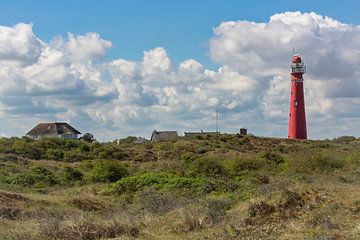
x: 217, y: 121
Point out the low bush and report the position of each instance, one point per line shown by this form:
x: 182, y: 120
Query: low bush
x: 273, y: 157
x: 312, y: 164
x: 157, y: 181
x: 344, y: 139
x: 71, y: 174
x: 54, y: 154
x: 37, y: 175
x: 108, y: 171
x: 109, y: 152
x: 220, y: 185
x: 261, y: 208
x: 241, y: 166
x: 156, y: 202
x: 25, y: 148
x: 74, y: 156
x: 206, y: 166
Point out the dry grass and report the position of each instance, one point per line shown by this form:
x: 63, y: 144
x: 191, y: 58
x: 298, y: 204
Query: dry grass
x: 276, y: 200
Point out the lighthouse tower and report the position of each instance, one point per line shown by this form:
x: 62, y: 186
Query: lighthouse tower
x: 297, y: 119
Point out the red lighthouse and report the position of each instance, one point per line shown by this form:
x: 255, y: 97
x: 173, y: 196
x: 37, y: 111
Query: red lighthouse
x: 297, y: 119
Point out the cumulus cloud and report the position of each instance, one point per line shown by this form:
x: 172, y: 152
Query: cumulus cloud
x: 19, y: 45
x: 59, y: 80
x: 263, y: 51
x: 38, y: 77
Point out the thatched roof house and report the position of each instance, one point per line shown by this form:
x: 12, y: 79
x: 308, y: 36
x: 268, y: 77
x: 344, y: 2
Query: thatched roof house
x: 54, y: 129
x: 158, y: 136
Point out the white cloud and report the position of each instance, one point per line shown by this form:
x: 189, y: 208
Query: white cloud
x: 58, y: 80
x: 262, y: 51
x: 18, y: 45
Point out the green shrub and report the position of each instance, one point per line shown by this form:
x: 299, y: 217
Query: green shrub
x: 158, y: 181
x: 189, y: 157
x: 273, y: 157
x: 71, y: 174
x: 206, y: 167
x: 74, y: 156
x: 21, y: 179
x: 242, y: 166
x: 307, y: 164
x: 43, y: 175
x: 37, y: 175
x: 344, y: 139
x: 108, y: 171
x: 128, y: 140
x: 26, y: 148
x: 109, y: 152
x: 54, y: 154
x: 218, y: 185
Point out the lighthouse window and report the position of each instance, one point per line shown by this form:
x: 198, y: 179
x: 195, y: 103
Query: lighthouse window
x: 295, y: 103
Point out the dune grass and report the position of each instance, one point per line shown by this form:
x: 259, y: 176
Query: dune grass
x: 213, y: 187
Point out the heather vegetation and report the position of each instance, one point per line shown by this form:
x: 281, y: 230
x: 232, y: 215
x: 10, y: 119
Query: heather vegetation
x: 207, y: 187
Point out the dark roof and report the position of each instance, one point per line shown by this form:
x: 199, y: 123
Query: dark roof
x: 200, y: 133
x: 163, y: 135
x: 54, y: 128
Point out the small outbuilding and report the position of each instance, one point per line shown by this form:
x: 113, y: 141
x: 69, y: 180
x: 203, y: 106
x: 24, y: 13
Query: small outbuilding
x: 159, y: 136
x: 53, y: 129
x: 201, y: 133
x: 243, y: 131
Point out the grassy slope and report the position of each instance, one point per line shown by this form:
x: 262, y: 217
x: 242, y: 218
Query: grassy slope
x: 227, y: 187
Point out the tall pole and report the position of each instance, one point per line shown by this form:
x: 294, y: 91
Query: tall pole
x: 217, y: 120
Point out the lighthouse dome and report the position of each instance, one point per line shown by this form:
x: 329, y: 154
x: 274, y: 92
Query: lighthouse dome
x: 296, y: 59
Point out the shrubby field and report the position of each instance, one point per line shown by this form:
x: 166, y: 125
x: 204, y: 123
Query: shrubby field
x: 219, y: 187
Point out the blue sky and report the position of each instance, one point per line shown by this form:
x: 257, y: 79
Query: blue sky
x: 119, y: 68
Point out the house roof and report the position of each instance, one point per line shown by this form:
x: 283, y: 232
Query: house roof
x: 200, y: 133
x: 163, y: 135
x: 53, y: 128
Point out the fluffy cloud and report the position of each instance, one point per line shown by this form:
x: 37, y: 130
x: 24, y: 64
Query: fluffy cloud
x: 42, y: 78
x: 19, y: 45
x: 263, y: 50
x: 60, y: 81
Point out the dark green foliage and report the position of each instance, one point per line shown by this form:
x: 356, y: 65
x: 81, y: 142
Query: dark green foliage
x: 129, y: 139
x: 110, y: 152
x: 43, y: 175
x: 74, y: 156
x: 158, y: 181
x: 59, y: 149
x: 273, y: 157
x: 54, y: 154
x: 24, y: 148
x: 319, y: 163
x: 189, y: 157
x: 220, y: 185
x: 245, y: 165
x: 71, y: 174
x: 108, y: 171
x: 88, y: 137
x: 344, y: 139
x: 38, y: 175
x: 206, y: 167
